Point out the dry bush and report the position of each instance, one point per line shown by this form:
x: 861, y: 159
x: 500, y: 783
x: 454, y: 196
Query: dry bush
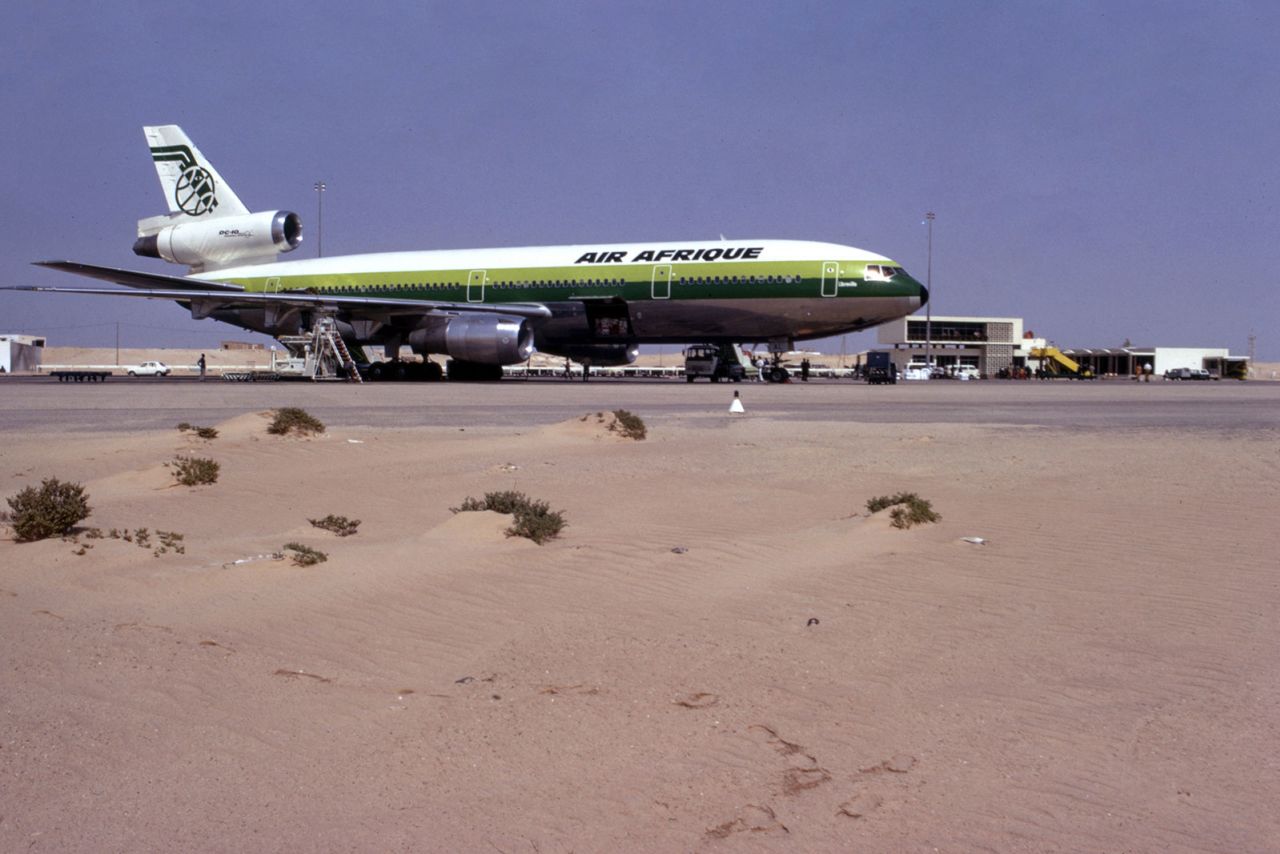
x: 291, y: 419
x: 305, y: 555
x: 50, y: 510
x: 195, y: 471
x: 340, y: 525
x: 628, y: 425
x: 534, y: 520
x: 908, y: 509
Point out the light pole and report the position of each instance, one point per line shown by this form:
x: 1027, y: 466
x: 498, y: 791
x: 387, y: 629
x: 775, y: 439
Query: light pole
x: 320, y: 219
x: 928, y: 306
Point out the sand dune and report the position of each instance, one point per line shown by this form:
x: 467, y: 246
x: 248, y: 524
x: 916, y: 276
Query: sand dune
x: 723, y: 651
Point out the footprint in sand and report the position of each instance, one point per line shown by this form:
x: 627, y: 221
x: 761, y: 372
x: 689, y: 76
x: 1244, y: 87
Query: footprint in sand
x: 699, y: 700
x: 777, y: 742
x: 860, y: 805
x: 900, y: 763
x: 753, y: 819
x: 797, y: 780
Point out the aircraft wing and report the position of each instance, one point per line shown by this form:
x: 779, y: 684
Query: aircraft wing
x: 371, y: 306
x: 134, y: 279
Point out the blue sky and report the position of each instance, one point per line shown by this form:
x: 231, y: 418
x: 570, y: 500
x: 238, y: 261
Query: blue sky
x: 1105, y: 170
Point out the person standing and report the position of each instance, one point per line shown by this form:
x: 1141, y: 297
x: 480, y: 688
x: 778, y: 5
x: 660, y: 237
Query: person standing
x: 760, y: 368
x: 804, y: 370
x: 201, y: 363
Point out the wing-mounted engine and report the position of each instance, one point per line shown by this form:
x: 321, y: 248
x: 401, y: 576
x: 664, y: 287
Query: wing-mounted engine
x: 486, y: 339
x: 208, y: 244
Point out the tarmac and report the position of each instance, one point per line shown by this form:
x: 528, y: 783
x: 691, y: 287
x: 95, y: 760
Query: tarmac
x: 41, y: 403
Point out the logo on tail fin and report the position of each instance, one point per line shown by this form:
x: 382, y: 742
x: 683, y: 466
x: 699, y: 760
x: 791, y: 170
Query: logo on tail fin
x: 195, y: 192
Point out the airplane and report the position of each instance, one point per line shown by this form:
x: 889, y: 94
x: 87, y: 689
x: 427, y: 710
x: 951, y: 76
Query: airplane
x: 486, y: 308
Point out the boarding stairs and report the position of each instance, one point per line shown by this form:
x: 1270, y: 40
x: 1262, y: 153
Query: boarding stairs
x: 1058, y: 358
x: 321, y: 354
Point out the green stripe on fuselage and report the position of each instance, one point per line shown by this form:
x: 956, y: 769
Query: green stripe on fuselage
x: 631, y: 282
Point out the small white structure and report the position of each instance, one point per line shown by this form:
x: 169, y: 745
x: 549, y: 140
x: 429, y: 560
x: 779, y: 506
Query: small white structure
x: 21, y: 353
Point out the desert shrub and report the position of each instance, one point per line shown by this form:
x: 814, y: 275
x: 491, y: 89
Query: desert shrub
x: 169, y: 540
x: 305, y: 555
x: 507, y: 501
x: 340, y: 525
x: 628, y: 425
x: 194, y: 471
x: 49, y: 510
x: 534, y: 520
x: 291, y: 419
x: 202, y: 432
x: 908, y: 509
x: 539, y: 526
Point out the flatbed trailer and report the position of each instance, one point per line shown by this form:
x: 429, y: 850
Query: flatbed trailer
x: 78, y: 376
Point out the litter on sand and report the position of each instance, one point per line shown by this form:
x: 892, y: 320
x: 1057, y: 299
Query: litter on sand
x: 977, y: 541
x: 252, y: 558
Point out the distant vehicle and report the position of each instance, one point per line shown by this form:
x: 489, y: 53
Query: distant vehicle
x: 149, y: 369
x: 880, y: 368
x: 1188, y: 374
x: 916, y: 371
x: 966, y: 372
x: 716, y: 362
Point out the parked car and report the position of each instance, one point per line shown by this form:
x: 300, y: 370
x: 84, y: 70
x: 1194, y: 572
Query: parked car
x: 1188, y: 374
x: 149, y: 369
x: 916, y: 371
x: 966, y: 372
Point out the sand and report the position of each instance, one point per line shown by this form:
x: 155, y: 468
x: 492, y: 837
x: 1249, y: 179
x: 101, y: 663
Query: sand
x: 722, y: 652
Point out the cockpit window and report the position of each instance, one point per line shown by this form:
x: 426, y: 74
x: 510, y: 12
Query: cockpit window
x: 879, y: 272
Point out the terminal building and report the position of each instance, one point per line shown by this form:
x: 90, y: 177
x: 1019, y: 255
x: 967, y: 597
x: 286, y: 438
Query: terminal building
x: 998, y: 346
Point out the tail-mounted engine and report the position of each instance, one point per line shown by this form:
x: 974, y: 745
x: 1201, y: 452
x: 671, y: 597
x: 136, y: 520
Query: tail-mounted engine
x: 221, y: 241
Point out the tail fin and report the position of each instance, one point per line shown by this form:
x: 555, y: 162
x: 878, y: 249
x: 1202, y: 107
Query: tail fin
x: 192, y: 187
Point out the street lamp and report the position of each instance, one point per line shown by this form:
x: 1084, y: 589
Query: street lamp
x: 320, y: 219
x: 928, y: 306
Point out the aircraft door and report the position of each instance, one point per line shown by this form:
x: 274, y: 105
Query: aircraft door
x: 475, y: 286
x: 662, y: 281
x: 830, y: 278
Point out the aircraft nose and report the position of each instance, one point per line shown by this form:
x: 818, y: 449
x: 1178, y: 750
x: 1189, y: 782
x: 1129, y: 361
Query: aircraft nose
x: 924, y: 295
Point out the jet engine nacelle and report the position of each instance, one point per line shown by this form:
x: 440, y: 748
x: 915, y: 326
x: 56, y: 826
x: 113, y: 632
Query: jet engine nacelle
x: 603, y: 355
x: 487, y: 339
x: 224, y: 241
